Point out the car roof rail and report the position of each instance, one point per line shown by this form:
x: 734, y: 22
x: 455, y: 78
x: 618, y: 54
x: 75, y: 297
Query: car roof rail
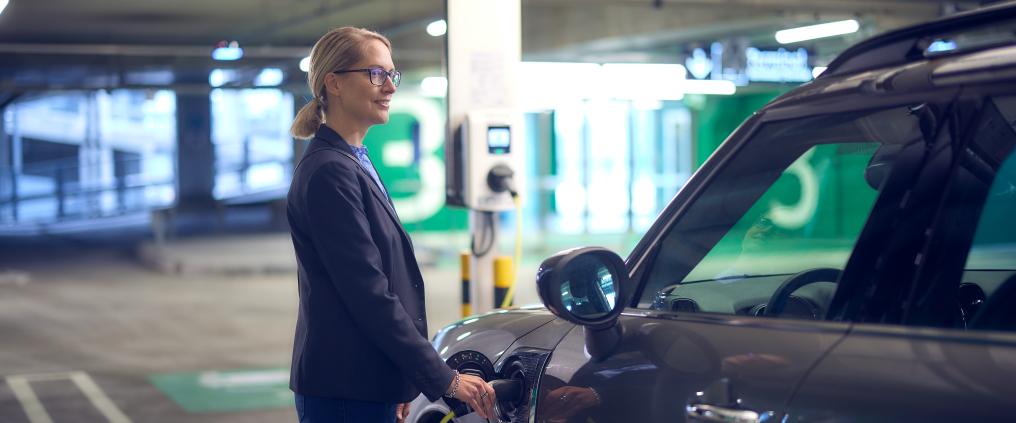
x: 909, y: 44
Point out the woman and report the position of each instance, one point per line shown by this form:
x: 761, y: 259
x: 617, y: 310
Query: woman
x: 361, y: 352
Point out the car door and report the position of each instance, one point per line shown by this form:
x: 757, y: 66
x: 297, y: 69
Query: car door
x: 736, y: 279
x: 943, y: 348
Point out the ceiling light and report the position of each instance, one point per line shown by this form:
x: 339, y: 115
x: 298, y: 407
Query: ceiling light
x: 817, y: 70
x: 220, y: 77
x: 3, y: 5
x: 630, y: 81
x: 269, y: 77
x: 708, y: 86
x: 305, y: 64
x: 812, y: 32
x: 434, y: 86
x: 226, y: 51
x: 437, y: 28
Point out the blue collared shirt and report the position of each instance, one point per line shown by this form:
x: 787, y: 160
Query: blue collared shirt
x: 361, y: 156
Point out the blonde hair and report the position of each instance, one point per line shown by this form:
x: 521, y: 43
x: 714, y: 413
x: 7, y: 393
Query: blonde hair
x: 339, y: 48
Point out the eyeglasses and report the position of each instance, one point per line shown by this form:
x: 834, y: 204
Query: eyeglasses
x: 377, y: 75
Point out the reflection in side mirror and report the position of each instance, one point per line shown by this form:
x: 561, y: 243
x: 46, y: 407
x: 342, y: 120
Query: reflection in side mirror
x: 589, y: 290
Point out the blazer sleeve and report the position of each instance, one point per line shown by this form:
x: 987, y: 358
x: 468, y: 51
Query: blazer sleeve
x: 341, y: 235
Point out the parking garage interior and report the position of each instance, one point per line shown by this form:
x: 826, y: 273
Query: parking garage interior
x: 146, y: 267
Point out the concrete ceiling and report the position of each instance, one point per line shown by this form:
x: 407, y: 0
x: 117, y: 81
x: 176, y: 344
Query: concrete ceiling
x: 81, y: 43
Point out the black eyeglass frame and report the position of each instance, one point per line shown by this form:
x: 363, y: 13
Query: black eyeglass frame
x: 393, y: 75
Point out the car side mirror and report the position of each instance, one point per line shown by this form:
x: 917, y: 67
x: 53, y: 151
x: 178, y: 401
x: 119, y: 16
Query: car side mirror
x: 587, y: 286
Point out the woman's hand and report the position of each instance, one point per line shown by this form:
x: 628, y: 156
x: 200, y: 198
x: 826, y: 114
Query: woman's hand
x: 476, y: 393
x: 401, y: 412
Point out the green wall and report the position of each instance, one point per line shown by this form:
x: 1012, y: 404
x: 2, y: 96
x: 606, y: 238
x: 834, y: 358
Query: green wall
x: 405, y: 181
x: 715, y: 117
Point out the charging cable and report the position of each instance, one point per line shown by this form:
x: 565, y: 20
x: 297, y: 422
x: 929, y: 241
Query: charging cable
x: 510, y: 295
x: 501, y: 179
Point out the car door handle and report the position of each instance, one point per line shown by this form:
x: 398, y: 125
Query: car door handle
x: 714, y: 413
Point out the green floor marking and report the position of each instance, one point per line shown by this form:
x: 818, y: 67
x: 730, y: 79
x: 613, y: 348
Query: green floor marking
x: 234, y: 390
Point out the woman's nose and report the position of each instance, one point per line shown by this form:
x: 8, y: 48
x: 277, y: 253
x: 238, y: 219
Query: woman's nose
x: 388, y: 86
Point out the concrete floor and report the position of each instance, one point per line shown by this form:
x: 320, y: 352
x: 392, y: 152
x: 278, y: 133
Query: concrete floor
x: 71, y: 313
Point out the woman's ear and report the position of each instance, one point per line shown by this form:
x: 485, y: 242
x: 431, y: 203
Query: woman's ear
x: 333, y: 85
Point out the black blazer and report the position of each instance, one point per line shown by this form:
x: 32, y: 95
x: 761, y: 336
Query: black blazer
x: 361, y: 332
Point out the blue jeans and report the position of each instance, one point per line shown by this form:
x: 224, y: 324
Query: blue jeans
x: 334, y: 410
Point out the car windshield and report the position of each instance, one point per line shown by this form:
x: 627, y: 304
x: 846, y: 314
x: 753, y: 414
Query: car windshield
x: 795, y: 197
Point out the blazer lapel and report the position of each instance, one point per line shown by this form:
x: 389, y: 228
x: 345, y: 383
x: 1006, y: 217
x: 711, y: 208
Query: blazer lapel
x: 376, y: 190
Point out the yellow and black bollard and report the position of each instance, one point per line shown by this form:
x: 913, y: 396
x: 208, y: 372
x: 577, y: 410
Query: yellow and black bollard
x: 467, y: 307
x: 504, y: 278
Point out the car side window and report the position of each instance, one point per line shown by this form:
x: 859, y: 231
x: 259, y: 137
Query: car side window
x: 984, y: 193
x: 770, y: 236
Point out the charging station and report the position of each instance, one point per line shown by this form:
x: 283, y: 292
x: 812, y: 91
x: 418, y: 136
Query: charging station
x: 490, y: 161
x: 484, y: 153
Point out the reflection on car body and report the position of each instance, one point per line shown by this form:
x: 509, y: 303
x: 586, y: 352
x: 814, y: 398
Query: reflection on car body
x: 846, y: 255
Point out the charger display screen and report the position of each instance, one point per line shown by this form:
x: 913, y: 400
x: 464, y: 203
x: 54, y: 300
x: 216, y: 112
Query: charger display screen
x: 499, y: 139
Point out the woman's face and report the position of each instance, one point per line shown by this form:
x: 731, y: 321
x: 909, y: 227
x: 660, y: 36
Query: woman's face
x: 359, y: 99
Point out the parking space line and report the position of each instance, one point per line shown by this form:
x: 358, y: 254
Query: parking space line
x: 29, y: 402
x: 22, y: 388
x: 98, y: 398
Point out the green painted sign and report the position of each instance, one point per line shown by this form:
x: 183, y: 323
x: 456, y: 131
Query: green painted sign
x: 235, y: 390
x: 408, y: 152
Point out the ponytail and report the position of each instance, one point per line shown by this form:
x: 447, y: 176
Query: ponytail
x: 307, y: 120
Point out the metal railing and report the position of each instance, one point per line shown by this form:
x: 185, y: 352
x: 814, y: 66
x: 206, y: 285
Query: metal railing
x: 60, y: 195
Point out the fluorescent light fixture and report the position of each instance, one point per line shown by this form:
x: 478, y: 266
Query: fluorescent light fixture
x: 219, y: 77
x: 305, y: 64
x: 709, y: 86
x: 434, y: 86
x: 644, y: 81
x: 545, y: 85
x: 269, y: 77
x: 812, y: 32
x: 646, y: 104
x: 817, y: 70
x: 227, y: 53
x: 3, y: 5
x: 437, y: 28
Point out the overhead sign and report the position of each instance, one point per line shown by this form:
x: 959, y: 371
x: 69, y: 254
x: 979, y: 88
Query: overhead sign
x: 698, y: 64
x: 777, y: 66
x: 750, y: 64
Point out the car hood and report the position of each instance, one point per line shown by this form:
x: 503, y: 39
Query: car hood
x: 491, y: 333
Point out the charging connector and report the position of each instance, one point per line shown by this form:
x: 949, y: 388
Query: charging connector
x: 501, y: 178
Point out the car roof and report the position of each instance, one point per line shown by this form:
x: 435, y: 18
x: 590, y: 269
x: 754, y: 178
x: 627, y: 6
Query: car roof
x: 901, y: 59
x: 909, y: 44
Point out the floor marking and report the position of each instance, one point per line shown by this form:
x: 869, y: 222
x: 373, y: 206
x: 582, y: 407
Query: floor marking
x: 29, y: 402
x: 98, y: 398
x: 22, y: 388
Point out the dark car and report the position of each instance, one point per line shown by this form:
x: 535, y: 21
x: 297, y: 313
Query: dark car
x: 848, y: 254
